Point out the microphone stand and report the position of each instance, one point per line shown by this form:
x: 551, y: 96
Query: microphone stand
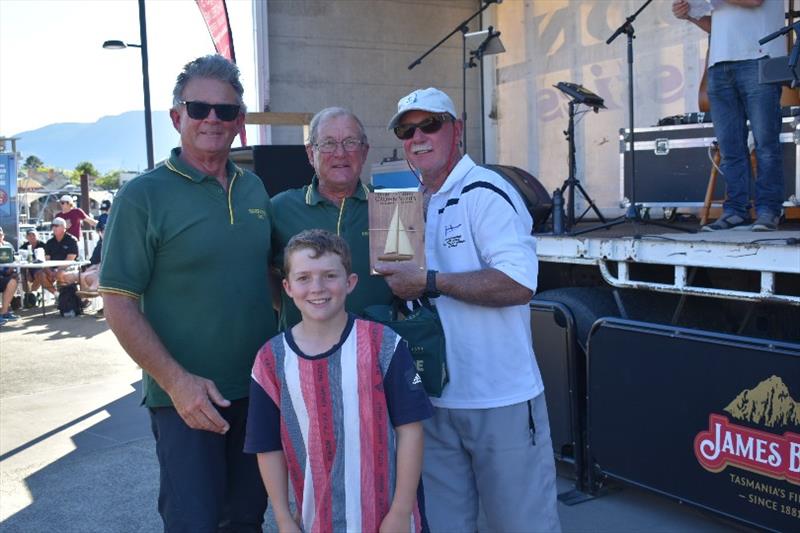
x: 478, y: 54
x: 632, y: 213
x: 463, y: 28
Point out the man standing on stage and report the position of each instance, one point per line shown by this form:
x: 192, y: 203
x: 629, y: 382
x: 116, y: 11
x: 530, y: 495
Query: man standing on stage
x: 189, y: 312
x: 736, y: 96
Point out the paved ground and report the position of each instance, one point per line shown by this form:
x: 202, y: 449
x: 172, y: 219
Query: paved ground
x: 76, y: 454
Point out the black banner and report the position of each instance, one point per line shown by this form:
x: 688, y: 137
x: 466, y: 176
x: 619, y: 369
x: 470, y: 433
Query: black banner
x: 710, y: 419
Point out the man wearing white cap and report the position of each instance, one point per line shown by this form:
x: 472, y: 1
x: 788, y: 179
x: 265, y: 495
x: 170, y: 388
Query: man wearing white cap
x: 74, y: 216
x: 489, y: 438
x: 60, y: 247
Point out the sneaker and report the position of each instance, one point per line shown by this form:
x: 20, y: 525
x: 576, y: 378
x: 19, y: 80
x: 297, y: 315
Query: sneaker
x: 765, y: 222
x: 726, y: 221
x: 2, y: 320
x: 9, y: 316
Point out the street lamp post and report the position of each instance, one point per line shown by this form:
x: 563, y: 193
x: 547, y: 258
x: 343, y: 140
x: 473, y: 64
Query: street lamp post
x: 117, y: 45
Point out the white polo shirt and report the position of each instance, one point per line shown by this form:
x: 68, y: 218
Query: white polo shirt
x: 477, y: 220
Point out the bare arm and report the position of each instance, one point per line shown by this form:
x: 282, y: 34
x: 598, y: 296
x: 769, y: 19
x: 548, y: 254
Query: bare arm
x: 680, y: 8
x: 746, y: 3
x: 409, y: 469
x: 88, y: 219
x: 272, y: 466
x: 489, y: 287
x: 192, y: 395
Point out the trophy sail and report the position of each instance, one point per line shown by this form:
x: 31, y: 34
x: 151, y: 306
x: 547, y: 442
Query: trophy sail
x: 398, y: 246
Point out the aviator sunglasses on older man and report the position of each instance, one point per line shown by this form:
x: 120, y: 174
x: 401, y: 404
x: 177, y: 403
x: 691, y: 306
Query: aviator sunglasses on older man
x: 201, y: 110
x: 431, y: 124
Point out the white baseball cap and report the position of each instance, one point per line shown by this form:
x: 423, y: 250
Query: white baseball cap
x: 58, y: 221
x: 67, y: 198
x: 431, y: 99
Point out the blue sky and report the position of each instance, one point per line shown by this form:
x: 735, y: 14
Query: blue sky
x: 53, y: 68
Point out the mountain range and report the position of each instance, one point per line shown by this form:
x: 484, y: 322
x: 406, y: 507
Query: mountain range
x: 768, y: 404
x: 111, y: 143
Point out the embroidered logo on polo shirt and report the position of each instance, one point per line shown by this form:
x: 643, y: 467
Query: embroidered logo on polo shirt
x: 258, y: 212
x: 455, y: 240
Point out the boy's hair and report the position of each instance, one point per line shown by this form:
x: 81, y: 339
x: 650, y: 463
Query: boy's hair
x: 321, y: 242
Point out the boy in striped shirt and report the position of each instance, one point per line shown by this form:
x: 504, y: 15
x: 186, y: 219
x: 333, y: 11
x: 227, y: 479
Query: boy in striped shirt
x: 336, y: 406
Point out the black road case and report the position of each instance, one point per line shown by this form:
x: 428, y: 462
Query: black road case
x: 673, y: 164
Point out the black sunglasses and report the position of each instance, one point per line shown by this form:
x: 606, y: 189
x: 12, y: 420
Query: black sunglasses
x: 431, y: 124
x: 201, y: 110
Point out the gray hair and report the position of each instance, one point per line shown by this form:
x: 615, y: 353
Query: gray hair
x: 329, y: 113
x: 212, y: 66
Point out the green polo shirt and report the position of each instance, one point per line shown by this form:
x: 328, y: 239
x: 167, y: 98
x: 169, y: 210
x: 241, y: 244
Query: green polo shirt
x: 305, y: 208
x: 197, y: 258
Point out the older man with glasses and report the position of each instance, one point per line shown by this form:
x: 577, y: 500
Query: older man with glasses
x: 336, y: 201
x: 60, y: 247
x: 163, y: 266
x: 488, y: 444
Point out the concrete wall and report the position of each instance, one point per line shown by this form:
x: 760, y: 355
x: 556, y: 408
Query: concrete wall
x: 564, y: 40
x: 355, y: 53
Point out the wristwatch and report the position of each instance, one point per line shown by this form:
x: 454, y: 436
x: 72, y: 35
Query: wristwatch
x: 430, y: 285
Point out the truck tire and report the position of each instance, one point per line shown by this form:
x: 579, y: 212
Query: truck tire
x: 587, y: 304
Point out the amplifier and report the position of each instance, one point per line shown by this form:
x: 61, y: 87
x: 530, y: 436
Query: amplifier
x: 280, y: 167
x: 776, y: 70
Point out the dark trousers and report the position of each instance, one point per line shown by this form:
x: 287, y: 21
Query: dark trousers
x: 208, y: 484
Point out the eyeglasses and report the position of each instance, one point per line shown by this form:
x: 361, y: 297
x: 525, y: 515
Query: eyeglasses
x: 431, y: 124
x: 328, y: 146
x: 62, y: 203
x: 201, y: 110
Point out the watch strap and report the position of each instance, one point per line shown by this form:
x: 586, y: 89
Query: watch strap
x: 430, y: 285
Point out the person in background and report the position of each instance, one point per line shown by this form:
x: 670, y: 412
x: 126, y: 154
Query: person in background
x: 102, y: 218
x: 74, y: 216
x: 195, y: 351
x: 33, y: 278
x: 89, y: 276
x: 488, y: 444
x: 336, y: 201
x: 359, y: 460
x: 8, y: 285
x: 736, y: 96
x: 60, y: 247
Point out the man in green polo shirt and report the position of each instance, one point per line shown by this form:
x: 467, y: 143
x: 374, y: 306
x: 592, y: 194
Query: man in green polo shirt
x: 335, y: 201
x: 191, y: 313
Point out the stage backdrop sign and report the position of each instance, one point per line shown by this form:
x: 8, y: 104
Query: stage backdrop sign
x: 710, y: 419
